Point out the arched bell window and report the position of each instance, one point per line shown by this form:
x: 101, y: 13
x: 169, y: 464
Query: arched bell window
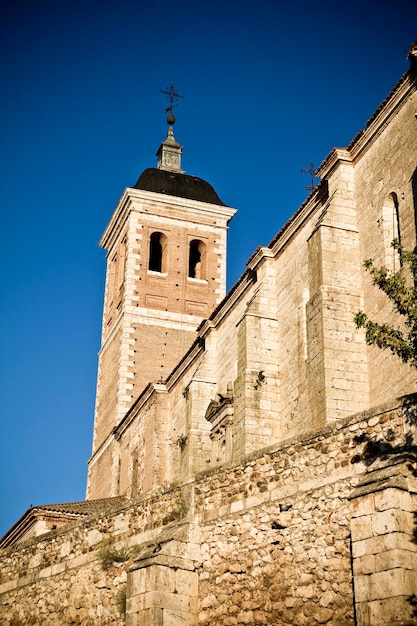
x: 157, y: 252
x: 197, y: 259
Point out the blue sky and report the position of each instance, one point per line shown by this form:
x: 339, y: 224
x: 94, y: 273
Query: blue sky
x: 268, y: 88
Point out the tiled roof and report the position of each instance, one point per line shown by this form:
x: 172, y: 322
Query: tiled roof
x: 83, y: 508
x: 62, y: 513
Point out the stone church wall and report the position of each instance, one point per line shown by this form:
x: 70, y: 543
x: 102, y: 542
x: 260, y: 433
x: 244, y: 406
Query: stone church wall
x: 293, y: 325
x: 267, y: 540
x: 386, y: 166
x: 272, y: 474
x: 281, y: 352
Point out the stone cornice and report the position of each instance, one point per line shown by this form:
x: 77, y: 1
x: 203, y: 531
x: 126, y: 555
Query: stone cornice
x: 395, y: 470
x: 185, y: 204
x: 383, y: 115
x: 117, y: 221
x: 144, y: 397
x: 312, y: 204
x: 153, y: 388
x: 336, y: 156
x: 258, y: 257
x: 374, y: 127
x: 191, y: 209
x: 196, y: 349
x: 246, y: 281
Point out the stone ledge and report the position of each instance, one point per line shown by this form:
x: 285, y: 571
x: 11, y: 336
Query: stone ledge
x: 392, y: 471
x: 323, y: 431
x: 174, y: 562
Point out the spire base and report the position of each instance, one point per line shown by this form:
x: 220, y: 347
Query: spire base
x: 169, y: 154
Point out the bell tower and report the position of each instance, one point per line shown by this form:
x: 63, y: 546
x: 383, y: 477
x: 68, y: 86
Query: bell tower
x: 166, y: 272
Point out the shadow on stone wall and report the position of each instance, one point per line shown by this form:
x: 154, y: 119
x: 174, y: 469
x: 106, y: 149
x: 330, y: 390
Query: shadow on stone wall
x: 387, y: 459
x: 382, y: 449
x: 414, y: 188
x: 413, y: 599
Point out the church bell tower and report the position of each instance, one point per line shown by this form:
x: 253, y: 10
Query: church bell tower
x: 166, y: 272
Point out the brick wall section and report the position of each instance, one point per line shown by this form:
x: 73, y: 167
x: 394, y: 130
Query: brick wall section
x: 150, y: 318
x: 274, y: 537
x: 107, y: 380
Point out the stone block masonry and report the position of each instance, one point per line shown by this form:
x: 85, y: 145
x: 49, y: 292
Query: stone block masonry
x: 266, y: 472
x: 267, y: 541
x: 384, y: 506
x: 281, y: 354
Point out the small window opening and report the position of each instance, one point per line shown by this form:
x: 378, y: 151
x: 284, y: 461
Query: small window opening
x: 196, y: 259
x: 391, y: 231
x: 157, y: 247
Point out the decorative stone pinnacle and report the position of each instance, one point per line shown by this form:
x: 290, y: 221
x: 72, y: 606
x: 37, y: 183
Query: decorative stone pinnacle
x: 169, y: 153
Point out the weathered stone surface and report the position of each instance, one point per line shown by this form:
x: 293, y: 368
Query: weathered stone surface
x: 248, y: 518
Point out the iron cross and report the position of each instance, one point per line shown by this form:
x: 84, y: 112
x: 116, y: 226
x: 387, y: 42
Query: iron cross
x: 172, y: 96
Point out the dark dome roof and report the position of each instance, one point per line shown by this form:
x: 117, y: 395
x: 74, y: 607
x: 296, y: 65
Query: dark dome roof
x: 176, y: 184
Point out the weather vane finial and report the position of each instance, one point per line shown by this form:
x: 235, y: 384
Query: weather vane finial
x: 172, y: 96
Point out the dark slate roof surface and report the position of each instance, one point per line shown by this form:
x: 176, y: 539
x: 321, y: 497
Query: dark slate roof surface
x: 177, y: 184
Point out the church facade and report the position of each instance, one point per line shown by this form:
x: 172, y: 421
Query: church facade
x: 253, y: 459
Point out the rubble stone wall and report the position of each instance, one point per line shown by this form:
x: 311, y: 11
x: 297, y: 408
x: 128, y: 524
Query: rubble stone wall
x: 273, y: 539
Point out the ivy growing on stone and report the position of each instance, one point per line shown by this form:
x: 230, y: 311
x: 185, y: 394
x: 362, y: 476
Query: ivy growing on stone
x: 403, y: 343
